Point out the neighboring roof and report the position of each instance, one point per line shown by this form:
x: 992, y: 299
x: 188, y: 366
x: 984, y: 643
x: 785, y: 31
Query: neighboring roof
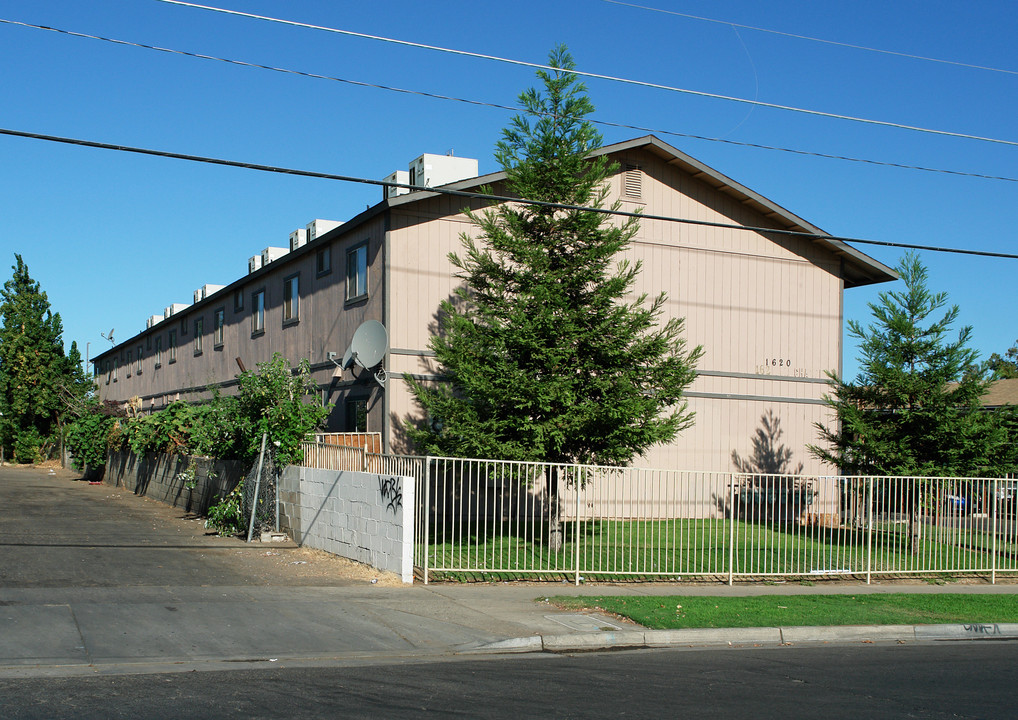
x: 1002, y: 392
x: 858, y: 268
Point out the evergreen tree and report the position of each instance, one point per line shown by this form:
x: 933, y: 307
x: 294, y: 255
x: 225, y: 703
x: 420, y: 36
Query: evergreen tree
x: 915, y: 407
x: 1003, y: 367
x: 545, y: 357
x: 32, y: 365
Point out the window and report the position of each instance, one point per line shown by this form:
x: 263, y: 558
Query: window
x: 130, y: 362
x: 159, y: 351
x: 357, y: 272
x: 357, y: 415
x: 218, y: 324
x: 183, y: 327
x: 258, y: 312
x: 291, y: 299
x: 323, y: 261
x: 171, y: 346
x: 137, y: 368
x: 238, y: 301
x: 116, y: 364
x: 199, y: 329
x: 148, y: 343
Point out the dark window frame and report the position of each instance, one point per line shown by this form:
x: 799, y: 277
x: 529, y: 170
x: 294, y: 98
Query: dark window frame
x: 218, y: 328
x: 353, y: 268
x: 291, y: 299
x: 258, y: 313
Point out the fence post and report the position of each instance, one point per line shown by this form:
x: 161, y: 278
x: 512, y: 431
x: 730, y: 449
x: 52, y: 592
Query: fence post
x: 993, y: 546
x: 731, y: 529
x: 426, y: 511
x: 576, y: 524
x: 869, y: 529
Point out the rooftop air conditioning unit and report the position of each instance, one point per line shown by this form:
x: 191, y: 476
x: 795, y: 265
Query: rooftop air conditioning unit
x: 317, y: 228
x: 173, y: 309
x: 270, y: 254
x: 153, y: 321
x: 433, y: 170
x: 205, y: 290
x: 298, y: 238
x: 400, y: 176
x: 254, y: 263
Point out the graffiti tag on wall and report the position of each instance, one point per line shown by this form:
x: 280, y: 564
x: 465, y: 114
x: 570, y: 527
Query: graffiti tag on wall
x: 392, y: 493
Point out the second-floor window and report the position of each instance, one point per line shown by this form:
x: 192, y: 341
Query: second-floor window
x: 357, y: 272
x: 159, y: 351
x: 291, y: 299
x: 137, y: 368
x: 199, y: 329
x: 171, y: 346
x: 258, y: 312
x: 217, y: 327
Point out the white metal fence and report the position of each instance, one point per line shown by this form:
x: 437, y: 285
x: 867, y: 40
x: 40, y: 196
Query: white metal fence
x: 478, y: 519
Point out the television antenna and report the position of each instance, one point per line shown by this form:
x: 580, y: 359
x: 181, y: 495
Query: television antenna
x: 367, y: 348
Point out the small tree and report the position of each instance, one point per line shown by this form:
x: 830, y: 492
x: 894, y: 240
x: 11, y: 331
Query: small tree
x: 546, y: 355
x: 914, y: 408
x: 33, y: 368
x: 271, y: 401
x: 1003, y: 367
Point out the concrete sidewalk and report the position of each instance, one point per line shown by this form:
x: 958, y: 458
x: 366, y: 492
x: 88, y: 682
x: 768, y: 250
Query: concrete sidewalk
x: 95, y: 580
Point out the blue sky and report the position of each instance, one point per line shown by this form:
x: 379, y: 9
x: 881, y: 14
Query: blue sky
x: 114, y: 238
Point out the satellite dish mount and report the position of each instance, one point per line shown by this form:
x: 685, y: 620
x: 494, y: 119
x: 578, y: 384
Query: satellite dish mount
x: 367, y: 348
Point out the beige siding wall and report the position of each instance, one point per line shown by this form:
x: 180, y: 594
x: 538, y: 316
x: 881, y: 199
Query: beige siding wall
x: 767, y: 311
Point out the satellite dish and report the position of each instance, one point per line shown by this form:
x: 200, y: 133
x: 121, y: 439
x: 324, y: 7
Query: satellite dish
x: 368, y: 346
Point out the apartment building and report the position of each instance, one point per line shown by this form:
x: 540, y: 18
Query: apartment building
x: 766, y: 306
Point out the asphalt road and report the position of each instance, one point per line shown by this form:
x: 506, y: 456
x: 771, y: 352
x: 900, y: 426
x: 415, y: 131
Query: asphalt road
x: 833, y: 683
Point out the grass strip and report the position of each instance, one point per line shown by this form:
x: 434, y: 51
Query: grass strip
x: 667, y: 612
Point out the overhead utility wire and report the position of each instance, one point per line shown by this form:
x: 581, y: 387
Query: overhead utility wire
x: 896, y: 53
x: 511, y: 108
x: 485, y: 196
x: 598, y: 76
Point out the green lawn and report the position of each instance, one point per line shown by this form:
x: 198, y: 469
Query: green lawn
x: 670, y: 549
x: 679, y: 611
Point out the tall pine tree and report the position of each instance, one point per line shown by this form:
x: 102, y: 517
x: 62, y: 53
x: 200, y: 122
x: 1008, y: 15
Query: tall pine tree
x: 547, y: 355
x: 33, y: 368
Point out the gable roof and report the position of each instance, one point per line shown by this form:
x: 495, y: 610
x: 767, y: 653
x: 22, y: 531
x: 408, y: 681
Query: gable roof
x: 1001, y: 392
x: 857, y: 268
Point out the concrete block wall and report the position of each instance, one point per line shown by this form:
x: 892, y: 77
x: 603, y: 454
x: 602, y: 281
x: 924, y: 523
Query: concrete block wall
x: 362, y: 516
x: 158, y: 476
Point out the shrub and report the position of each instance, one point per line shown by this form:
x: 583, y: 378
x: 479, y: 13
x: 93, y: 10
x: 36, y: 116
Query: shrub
x: 27, y: 444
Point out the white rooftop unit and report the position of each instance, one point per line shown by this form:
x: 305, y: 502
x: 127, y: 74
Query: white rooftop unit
x: 254, y: 263
x: 400, y: 176
x: 317, y: 228
x: 174, y: 309
x: 153, y: 321
x: 434, y: 170
x: 270, y: 254
x: 205, y: 290
x: 298, y: 238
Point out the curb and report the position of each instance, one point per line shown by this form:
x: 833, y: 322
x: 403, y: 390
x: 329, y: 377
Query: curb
x: 749, y: 637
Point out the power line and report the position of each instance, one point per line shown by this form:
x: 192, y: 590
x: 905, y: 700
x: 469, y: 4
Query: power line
x: 486, y: 196
x: 910, y: 56
x: 599, y: 76
x: 497, y: 106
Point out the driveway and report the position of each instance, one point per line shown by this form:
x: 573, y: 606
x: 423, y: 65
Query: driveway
x: 94, y: 577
